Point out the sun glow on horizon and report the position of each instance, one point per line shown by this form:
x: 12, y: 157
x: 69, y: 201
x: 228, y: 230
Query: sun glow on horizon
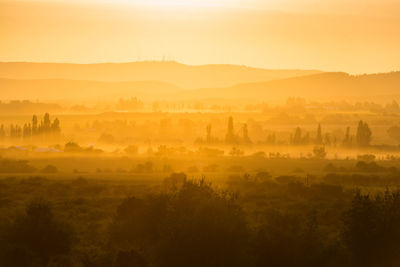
x: 181, y: 3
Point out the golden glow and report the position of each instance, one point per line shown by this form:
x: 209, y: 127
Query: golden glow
x: 329, y: 36
x: 184, y: 3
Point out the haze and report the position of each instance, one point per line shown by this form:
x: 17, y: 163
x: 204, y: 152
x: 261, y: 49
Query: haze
x: 356, y: 37
x: 199, y: 133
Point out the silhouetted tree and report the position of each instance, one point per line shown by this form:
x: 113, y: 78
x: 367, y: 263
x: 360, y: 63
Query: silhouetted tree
x: 327, y: 139
x: 347, y: 139
x: 208, y: 137
x: 26, y: 134
x: 246, y: 138
x: 230, y: 135
x: 363, y: 134
x: 46, y: 124
x: 18, y: 131
x: 12, y: 131
x: 318, y: 139
x: 2, y: 133
x: 55, y: 127
x: 34, y: 125
x: 297, y: 139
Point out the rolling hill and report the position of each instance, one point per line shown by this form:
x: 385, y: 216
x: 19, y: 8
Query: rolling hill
x: 57, y: 89
x: 322, y: 86
x: 184, y: 76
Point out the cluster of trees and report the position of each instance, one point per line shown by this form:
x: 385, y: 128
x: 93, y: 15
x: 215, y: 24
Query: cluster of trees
x: 25, y: 107
x: 130, y: 104
x: 45, y: 128
x: 292, y: 104
x: 192, y: 224
x: 300, y: 104
x: 363, y: 137
x: 159, y: 106
x: 231, y: 137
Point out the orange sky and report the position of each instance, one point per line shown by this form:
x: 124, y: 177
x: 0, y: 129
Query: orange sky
x: 336, y: 35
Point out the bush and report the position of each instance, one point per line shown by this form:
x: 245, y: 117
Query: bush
x: 131, y: 150
x: 49, y: 169
x: 72, y: 147
x: 263, y: 176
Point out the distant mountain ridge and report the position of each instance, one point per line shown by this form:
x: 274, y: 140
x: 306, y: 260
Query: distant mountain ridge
x: 316, y: 86
x: 58, y: 89
x: 184, y: 76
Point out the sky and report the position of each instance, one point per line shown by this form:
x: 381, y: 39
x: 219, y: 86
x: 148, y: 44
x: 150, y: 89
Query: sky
x: 355, y: 36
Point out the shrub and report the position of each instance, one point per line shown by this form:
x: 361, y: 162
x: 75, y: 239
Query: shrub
x: 49, y: 169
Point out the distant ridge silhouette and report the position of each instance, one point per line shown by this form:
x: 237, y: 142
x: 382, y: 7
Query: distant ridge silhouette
x: 316, y: 86
x: 185, y: 76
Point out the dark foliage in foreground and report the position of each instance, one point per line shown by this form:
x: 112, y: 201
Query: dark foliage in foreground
x: 195, y: 224
x: 36, y: 237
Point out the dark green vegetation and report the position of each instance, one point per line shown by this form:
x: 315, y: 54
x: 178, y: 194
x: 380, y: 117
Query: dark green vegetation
x: 319, y: 213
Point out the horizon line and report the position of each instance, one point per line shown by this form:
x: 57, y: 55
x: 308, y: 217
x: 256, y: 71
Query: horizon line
x: 197, y: 65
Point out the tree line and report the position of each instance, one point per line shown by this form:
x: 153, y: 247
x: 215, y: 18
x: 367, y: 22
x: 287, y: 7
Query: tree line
x: 46, y: 128
x: 362, y: 138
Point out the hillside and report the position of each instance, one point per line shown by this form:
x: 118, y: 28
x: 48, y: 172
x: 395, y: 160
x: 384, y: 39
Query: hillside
x: 56, y: 89
x: 185, y: 76
x: 322, y: 86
